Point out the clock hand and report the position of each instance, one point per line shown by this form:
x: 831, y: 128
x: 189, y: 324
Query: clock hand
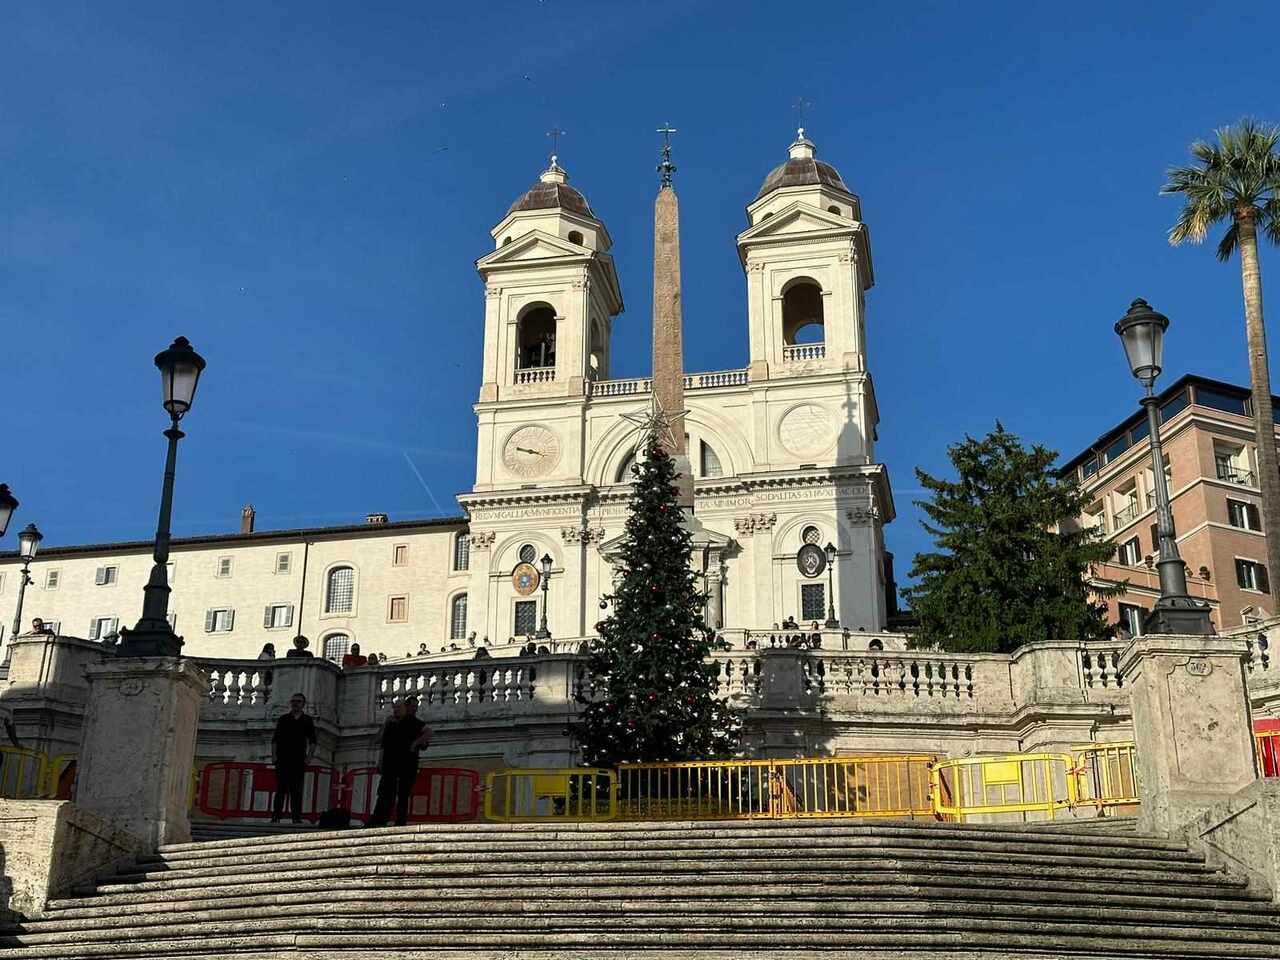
x: 537, y: 453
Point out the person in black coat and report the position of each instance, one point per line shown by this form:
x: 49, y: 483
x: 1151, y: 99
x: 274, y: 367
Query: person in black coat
x: 292, y: 746
x: 402, y: 740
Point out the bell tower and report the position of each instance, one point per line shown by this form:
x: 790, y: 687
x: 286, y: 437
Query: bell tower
x: 807, y: 256
x: 551, y: 293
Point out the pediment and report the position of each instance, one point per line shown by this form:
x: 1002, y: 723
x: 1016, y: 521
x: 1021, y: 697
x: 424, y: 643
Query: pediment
x: 797, y: 218
x: 701, y: 537
x: 534, y: 245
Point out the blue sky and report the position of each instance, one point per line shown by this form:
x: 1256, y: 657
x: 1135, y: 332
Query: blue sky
x: 302, y: 188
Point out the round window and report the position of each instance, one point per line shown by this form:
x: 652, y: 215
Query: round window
x: 810, y: 535
x: 528, y: 554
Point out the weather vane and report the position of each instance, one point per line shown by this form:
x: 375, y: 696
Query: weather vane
x: 555, y: 133
x: 666, y: 167
x: 652, y: 422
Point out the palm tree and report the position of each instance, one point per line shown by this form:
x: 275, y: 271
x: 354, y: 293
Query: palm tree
x: 1238, y: 179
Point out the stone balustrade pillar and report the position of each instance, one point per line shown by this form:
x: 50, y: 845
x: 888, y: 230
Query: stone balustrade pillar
x: 1192, y: 725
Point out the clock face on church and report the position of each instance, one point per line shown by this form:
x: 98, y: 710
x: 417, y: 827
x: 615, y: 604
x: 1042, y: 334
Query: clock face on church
x: 531, y: 451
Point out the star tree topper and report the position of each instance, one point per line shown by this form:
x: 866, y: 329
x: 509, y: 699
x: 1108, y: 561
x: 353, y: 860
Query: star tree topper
x: 654, y: 422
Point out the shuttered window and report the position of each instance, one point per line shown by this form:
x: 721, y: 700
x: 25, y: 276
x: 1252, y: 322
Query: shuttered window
x: 219, y: 620
x: 277, y: 615
x: 101, y: 627
x: 105, y: 576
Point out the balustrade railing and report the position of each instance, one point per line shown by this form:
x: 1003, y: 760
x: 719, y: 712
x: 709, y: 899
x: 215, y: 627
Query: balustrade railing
x: 238, y: 682
x: 692, y: 381
x: 804, y: 351
x: 1100, y: 667
x: 901, y: 675
x: 475, y: 682
x: 536, y: 375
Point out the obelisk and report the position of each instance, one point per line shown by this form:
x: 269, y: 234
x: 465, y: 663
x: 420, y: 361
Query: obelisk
x: 668, y: 336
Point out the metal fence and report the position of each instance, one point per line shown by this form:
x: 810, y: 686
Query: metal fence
x: 532, y: 795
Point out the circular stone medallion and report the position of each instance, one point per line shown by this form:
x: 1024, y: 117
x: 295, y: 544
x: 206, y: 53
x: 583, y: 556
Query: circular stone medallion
x: 531, y: 451
x: 806, y: 430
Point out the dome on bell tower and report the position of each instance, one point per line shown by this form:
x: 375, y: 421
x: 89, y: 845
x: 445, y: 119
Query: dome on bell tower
x: 802, y: 169
x: 553, y: 191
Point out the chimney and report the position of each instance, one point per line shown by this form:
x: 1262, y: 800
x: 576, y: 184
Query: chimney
x: 375, y: 518
x: 247, y: 516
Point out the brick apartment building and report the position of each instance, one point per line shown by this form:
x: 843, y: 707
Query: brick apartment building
x: 1210, y: 460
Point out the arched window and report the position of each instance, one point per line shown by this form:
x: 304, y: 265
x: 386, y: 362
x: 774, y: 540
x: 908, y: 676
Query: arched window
x: 802, y: 313
x: 835, y: 210
x: 462, y: 552
x: 575, y: 237
x: 599, y: 358
x: 811, y: 534
x: 339, y: 594
x: 335, y: 645
x: 505, y: 241
x: 528, y: 553
x: 710, y: 462
x: 458, y: 617
x: 536, y: 338
x: 624, y: 471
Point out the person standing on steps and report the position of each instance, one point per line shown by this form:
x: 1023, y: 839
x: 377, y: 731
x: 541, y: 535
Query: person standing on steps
x: 292, y: 747
x: 402, y: 740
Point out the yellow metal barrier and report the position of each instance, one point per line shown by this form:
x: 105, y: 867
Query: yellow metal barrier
x: 531, y: 795
x: 1106, y: 775
x: 22, y: 773
x: 1027, y: 784
x: 894, y: 786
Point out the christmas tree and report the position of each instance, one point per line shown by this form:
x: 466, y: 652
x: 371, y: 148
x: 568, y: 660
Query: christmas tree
x: 1013, y: 559
x: 652, y: 691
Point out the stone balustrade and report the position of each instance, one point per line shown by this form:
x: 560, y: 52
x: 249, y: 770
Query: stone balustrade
x: 536, y: 375
x: 804, y: 351
x: 692, y: 381
x: 845, y: 693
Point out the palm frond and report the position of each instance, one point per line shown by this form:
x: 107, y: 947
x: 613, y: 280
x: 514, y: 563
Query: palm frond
x: 1230, y: 240
x: 1270, y: 219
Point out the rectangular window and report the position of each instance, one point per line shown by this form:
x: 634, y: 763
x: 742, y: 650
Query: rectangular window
x: 1095, y: 518
x: 399, y: 554
x: 277, y: 615
x: 1089, y: 468
x: 1251, y: 575
x: 1243, y: 515
x: 1118, y: 446
x: 283, y: 562
x: 1232, y: 464
x: 1173, y: 406
x: 526, y: 618
x: 171, y: 571
x: 398, y: 609
x: 51, y: 579
x: 1131, y: 618
x: 102, y: 627
x: 105, y: 576
x: 1129, y: 553
x: 54, y: 627
x: 1216, y: 400
x: 219, y: 620
x: 462, y: 552
x: 224, y: 567
x: 813, y: 602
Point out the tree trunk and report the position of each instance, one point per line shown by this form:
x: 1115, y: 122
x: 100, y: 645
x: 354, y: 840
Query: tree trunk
x: 1260, y: 381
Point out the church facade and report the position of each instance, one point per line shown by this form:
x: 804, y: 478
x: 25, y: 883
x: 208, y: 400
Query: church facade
x: 782, y: 453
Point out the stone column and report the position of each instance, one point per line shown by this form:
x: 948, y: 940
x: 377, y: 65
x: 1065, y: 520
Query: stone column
x: 139, y: 744
x: 715, y: 590
x: 1192, y: 725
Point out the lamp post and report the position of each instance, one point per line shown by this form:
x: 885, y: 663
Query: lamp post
x: 28, y: 545
x: 1141, y: 331
x: 7, y: 505
x: 180, y: 367
x: 832, y: 623
x: 543, y: 633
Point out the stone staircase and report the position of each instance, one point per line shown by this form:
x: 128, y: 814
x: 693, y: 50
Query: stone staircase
x: 713, y: 890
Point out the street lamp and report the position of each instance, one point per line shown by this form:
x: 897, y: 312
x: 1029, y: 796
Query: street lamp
x: 543, y: 633
x: 28, y: 546
x: 7, y: 505
x: 180, y: 368
x: 832, y: 623
x: 1141, y: 331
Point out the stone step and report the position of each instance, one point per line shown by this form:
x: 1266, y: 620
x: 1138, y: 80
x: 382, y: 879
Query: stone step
x: 363, y: 841
x: 413, y: 939
x: 607, y: 871
x: 791, y: 908
x: 780, y: 887
x: 501, y: 857
x: 723, y: 829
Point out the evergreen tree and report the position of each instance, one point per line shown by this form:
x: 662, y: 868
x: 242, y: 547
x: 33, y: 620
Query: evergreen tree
x: 652, y: 695
x: 1013, y: 560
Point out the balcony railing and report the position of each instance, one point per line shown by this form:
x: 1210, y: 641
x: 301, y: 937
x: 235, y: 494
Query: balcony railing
x: 692, y: 381
x: 1235, y: 475
x: 1121, y: 517
x: 536, y: 375
x: 804, y: 351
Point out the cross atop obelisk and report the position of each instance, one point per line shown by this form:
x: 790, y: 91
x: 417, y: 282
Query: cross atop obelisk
x: 668, y: 333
